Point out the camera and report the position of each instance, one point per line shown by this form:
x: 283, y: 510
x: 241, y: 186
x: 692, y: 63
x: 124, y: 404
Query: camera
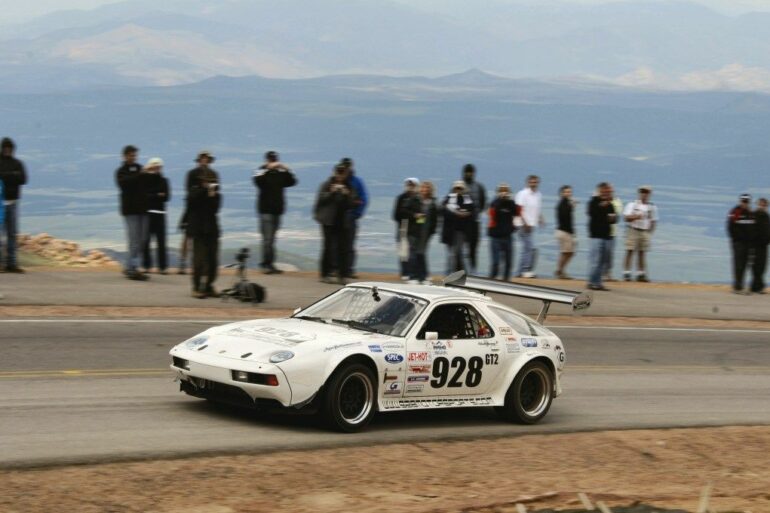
x: 242, y: 255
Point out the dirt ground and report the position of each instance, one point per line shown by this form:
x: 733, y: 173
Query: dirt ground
x: 663, y: 468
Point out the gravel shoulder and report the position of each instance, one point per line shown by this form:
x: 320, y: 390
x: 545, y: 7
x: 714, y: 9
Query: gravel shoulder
x: 663, y: 468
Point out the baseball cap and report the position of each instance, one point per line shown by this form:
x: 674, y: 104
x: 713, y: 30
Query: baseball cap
x: 745, y: 197
x: 204, y: 153
x: 412, y: 181
x: 458, y: 184
x: 645, y: 188
x: 154, y: 162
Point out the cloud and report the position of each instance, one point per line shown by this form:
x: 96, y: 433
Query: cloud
x: 733, y: 77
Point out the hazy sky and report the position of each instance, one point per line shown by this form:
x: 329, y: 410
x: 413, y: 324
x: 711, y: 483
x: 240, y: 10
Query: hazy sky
x: 19, y: 10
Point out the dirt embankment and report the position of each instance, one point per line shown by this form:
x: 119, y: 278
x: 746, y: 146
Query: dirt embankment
x: 665, y: 468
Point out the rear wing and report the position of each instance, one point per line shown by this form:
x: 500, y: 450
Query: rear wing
x: 578, y: 300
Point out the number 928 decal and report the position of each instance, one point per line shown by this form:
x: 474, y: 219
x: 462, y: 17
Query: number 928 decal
x: 442, y: 368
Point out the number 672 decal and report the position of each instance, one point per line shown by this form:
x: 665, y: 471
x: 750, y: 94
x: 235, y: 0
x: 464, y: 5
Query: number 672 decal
x: 441, y: 372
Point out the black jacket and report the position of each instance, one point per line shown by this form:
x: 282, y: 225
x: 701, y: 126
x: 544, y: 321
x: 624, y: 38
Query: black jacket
x: 452, y: 204
x: 741, y: 225
x: 271, y: 183
x: 564, y: 216
x: 13, y: 175
x: 202, y: 209
x: 333, y: 207
x: 158, y: 192
x: 762, y: 227
x: 599, y: 221
x: 501, y: 214
x: 133, y: 189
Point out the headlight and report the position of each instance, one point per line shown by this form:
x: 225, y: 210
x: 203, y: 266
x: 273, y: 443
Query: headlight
x: 281, y: 356
x: 196, y: 341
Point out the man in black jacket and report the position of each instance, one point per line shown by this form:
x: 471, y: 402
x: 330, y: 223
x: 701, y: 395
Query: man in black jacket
x: 601, y: 215
x: 203, y: 202
x: 502, y: 210
x: 401, y: 217
x: 741, y: 225
x: 271, y: 179
x: 335, y: 200
x: 761, y: 240
x: 132, y: 181
x: 13, y: 175
x: 158, y: 194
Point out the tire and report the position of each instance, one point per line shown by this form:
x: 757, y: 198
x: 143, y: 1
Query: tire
x: 530, y: 395
x: 349, y: 400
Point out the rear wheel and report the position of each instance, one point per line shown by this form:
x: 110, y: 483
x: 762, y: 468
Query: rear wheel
x: 529, y: 397
x: 349, y: 401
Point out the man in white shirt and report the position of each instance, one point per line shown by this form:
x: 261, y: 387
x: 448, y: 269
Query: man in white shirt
x: 531, y: 202
x: 641, y: 217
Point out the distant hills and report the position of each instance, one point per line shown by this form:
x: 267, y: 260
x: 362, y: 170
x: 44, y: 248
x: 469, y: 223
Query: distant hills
x: 670, y: 44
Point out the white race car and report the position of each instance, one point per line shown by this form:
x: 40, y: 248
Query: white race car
x: 386, y: 347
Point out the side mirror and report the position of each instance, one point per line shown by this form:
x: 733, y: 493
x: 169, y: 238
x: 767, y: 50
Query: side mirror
x: 297, y: 310
x: 431, y: 335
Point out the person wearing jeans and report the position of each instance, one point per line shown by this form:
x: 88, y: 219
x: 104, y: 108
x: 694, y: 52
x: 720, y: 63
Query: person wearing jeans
x: 159, y: 193
x: 13, y: 176
x: 204, y: 199
x: 132, y: 181
x: 601, y: 215
x: 530, y: 201
x: 500, y: 230
x: 271, y: 179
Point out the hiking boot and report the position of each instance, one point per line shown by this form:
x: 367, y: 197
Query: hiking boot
x: 137, y: 276
x: 14, y: 269
x: 642, y: 278
x: 197, y: 294
x: 212, y: 292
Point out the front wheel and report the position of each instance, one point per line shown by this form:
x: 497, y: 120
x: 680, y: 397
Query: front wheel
x: 529, y: 397
x: 348, y: 403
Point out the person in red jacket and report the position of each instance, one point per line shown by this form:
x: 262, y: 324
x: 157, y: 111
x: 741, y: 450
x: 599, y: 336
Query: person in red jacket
x: 740, y: 226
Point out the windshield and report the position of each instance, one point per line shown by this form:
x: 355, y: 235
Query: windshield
x: 367, y: 309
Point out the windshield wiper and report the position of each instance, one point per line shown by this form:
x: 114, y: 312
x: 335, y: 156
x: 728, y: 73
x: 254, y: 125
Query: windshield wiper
x: 311, y: 318
x: 358, y: 325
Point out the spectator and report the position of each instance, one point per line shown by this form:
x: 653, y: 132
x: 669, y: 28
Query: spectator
x: 420, y: 212
x: 357, y: 213
x: 2, y: 215
x: 204, y: 199
x: 610, y: 255
x: 336, y: 199
x: 158, y: 193
x: 741, y: 225
x: 642, y: 217
x: 458, y: 218
x: 132, y: 181
x: 411, y: 186
x: 500, y: 231
x: 479, y: 196
x: 565, y: 231
x: 761, y: 240
x: 271, y: 179
x: 601, y: 215
x: 13, y: 175
x: 530, y: 201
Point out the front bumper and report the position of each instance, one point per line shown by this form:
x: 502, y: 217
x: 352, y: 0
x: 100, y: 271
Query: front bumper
x: 213, y: 380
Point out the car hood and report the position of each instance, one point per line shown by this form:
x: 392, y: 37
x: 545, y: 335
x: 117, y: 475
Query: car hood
x: 259, y: 339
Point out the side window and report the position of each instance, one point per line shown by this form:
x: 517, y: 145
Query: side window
x: 517, y: 322
x: 456, y: 321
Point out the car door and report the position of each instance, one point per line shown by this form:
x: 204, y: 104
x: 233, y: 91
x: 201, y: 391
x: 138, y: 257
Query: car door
x: 464, y: 359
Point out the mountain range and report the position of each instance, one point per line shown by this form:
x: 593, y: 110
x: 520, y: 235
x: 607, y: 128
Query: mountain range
x: 669, y: 44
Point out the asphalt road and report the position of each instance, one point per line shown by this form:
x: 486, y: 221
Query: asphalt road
x: 75, y: 392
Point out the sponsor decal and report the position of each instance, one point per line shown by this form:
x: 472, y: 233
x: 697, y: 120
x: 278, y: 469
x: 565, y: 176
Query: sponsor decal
x: 393, y: 389
x: 393, y: 345
x: 439, y: 348
x: 394, y: 358
x: 529, y: 342
x: 546, y: 345
x: 418, y: 379
x: 410, y: 404
x: 414, y: 388
x: 342, y: 346
x: 513, y: 347
x: 561, y: 357
x: 269, y: 334
x: 419, y: 369
x: 375, y: 348
x: 388, y: 377
x: 505, y: 330
x: 422, y: 356
x: 488, y: 343
x: 557, y: 347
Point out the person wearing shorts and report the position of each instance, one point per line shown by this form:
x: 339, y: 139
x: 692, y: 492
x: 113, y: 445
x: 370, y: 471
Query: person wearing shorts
x: 565, y: 231
x: 641, y: 217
